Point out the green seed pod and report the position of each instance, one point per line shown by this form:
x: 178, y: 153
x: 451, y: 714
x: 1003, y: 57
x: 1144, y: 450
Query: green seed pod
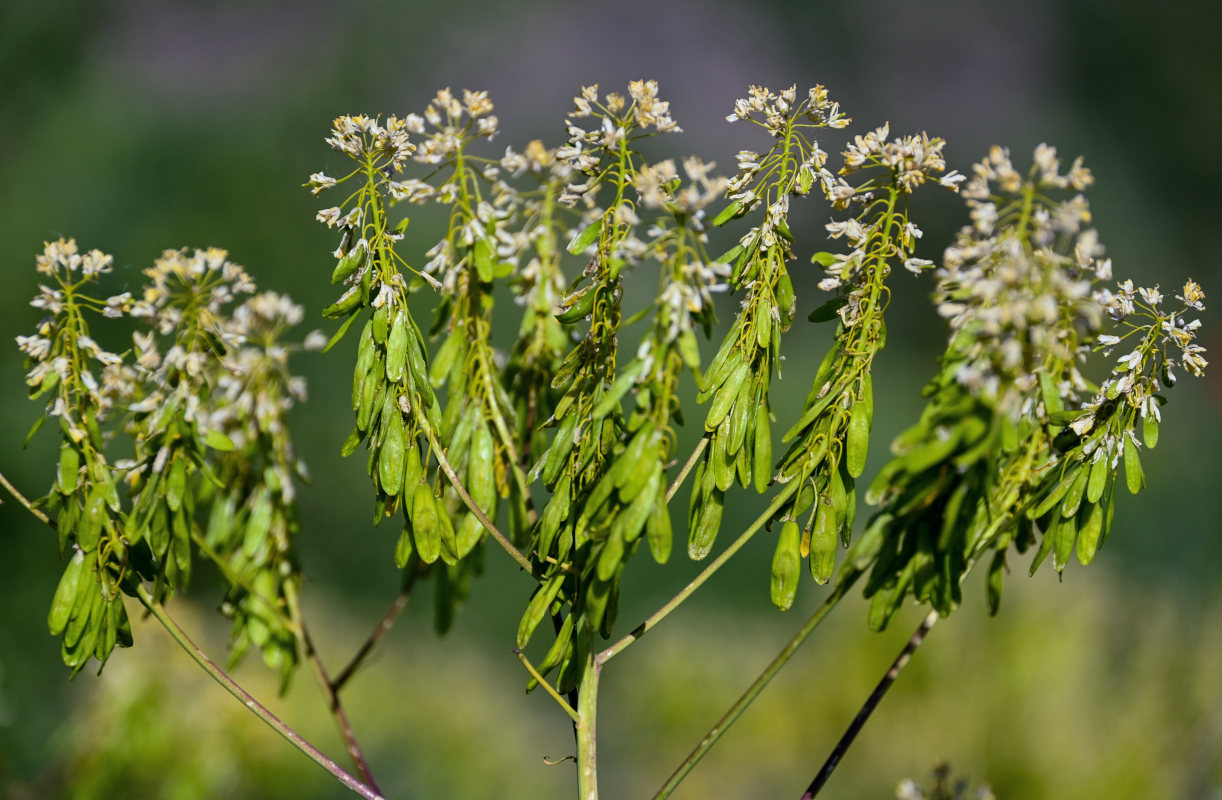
x: 762, y: 468
x: 176, y: 483
x: 611, y: 554
x: 1149, y: 431
x: 786, y: 566
x: 1099, y: 472
x: 348, y: 301
x: 396, y: 348
x: 562, y: 445
x: 1077, y: 490
x: 1134, y: 476
x: 585, y: 237
x: 722, y: 464
x: 379, y: 325
x: 89, y: 532
x: 369, y: 395
x: 470, y: 532
x: 69, y: 468
x: 481, y: 476
x: 823, y: 545
x: 727, y: 360
x: 403, y: 548
x: 581, y: 307
x: 1054, y: 495
x: 724, y: 399
x: 348, y: 264
x: 555, y: 653
x: 445, y: 531
x: 537, y: 608
x: 625, y: 381
x: 426, y: 529
x: 631, y: 520
x: 741, y: 415
x: 705, y: 531
x: 66, y: 593
x: 633, y: 459
x: 857, y: 440
x: 1063, y: 536
x: 996, y: 579
x: 658, y: 530
x: 763, y: 331
x: 391, y: 454
x: 1090, y: 528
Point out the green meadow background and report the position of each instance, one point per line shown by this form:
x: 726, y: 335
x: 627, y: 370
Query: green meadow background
x: 135, y: 126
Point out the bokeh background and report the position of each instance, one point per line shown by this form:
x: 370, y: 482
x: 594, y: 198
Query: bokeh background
x: 136, y: 125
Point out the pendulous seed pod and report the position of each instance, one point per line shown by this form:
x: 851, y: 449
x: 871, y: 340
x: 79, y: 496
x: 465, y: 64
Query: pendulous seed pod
x: 786, y: 567
x: 426, y: 529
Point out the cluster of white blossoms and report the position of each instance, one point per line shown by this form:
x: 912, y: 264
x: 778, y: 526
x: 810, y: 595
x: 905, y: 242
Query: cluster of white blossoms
x: 912, y: 159
x: 62, y: 258
x: 363, y: 137
x: 659, y: 186
x: 1017, y: 282
x: 781, y: 109
x: 621, y: 119
x: 1139, y: 374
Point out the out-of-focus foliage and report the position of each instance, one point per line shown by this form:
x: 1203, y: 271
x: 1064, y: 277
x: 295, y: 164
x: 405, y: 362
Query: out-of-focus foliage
x: 1076, y: 692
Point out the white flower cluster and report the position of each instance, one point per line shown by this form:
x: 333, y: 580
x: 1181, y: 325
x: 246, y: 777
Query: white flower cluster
x: 1016, y: 284
x: 363, y: 137
x: 584, y: 150
x: 911, y: 159
x: 781, y: 109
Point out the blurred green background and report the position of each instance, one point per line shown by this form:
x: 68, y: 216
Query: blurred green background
x: 135, y: 126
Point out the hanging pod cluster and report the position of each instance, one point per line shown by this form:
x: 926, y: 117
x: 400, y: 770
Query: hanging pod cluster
x: 736, y: 384
x: 1008, y: 450
x: 831, y: 439
x: 136, y: 519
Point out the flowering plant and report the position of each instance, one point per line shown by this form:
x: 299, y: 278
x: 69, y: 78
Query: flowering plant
x: 561, y: 450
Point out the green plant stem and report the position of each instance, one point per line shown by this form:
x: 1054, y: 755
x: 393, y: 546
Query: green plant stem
x: 383, y: 626
x: 334, y: 706
x: 587, y: 717
x: 219, y: 675
x: 687, y: 467
x: 547, y: 687
x: 26, y: 504
x: 757, y: 686
x: 698, y: 581
x: 496, y: 534
x: 872, y: 701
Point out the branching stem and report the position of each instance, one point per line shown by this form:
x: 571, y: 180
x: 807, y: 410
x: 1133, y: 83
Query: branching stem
x: 698, y: 581
x: 495, y: 532
x: 220, y: 676
x: 753, y: 691
x: 872, y: 701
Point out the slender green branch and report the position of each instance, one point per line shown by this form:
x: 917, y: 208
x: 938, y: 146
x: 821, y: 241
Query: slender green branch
x: 329, y: 692
x: 698, y: 581
x: 687, y: 467
x: 872, y: 701
x: 757, y: 686
x: 547, y: 687
x: 219, y: 675
x: 371, y: 792
x: 37, y: 512
x: 500, y: 538
x: 587, y: 717
x: 382, y: 628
